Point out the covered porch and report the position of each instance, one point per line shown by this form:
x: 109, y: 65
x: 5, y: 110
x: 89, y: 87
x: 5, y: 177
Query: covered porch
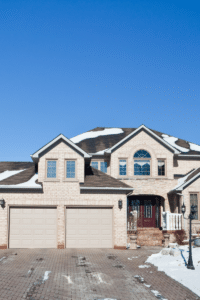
x: 147, y: 218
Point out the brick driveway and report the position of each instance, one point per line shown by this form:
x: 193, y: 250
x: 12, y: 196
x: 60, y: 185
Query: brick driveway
x: 84, y: 274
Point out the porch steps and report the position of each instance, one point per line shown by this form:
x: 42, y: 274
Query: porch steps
x: 149, y: 237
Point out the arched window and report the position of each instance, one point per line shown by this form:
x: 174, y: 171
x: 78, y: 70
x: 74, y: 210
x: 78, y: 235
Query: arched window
x: 142, y: 163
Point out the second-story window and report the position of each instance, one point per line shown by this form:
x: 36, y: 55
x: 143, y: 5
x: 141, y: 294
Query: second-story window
x: 99, y: 165
x: 161, y: 167
x: 142, y: 163
x: 95, y: 164
x: 122, y: 167
x: 70, y: 169
x: 51, y: 169
x: 103, y: 165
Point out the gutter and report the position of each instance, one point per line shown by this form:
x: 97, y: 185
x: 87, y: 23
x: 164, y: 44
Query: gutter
x: 106, y: 188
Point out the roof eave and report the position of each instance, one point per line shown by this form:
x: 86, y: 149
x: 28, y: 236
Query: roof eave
x: 35, y: 156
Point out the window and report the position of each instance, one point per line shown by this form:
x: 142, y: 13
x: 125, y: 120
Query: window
x: 161, y: 167
x: 70, y: 169
x: 194, y: 201
x: 103, y: 166
x: 51, y: 169
x: 142, y: 165
x: 122, y: 167
x: 95, y: 164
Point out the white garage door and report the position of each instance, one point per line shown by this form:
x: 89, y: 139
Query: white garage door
x: 89, y: 228
x: 33, y: 228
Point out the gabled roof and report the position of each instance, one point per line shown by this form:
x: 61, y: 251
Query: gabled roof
x: 95, y: 179
x: 185, y: 181
x: 102, y: 143
x: 35, y: 155
x: 18, y: 175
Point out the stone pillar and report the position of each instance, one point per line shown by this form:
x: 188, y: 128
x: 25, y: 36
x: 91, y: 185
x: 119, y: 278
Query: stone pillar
x: 133, y: 242
x: 166, y: 237
x: 61, y: 227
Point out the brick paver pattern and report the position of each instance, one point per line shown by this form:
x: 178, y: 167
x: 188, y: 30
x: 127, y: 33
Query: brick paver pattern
x: 85, y: 274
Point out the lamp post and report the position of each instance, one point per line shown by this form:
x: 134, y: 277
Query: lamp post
x: 191, y: 217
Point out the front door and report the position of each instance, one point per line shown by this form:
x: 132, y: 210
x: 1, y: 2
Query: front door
x: 147, y: 209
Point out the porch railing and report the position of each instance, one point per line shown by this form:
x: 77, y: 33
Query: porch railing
x: 171, y: 221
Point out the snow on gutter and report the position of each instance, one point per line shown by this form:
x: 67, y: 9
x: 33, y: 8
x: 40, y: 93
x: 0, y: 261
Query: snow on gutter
x: 148, y: 130
x: 181, y: 182
x: 30, y: 184
x: 107, y: 188
x: 94, y: 134
x: 7, y: 174
x: 102, y: 152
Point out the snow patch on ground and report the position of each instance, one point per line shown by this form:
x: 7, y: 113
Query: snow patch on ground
x: 2, y: 258
x: 144, y: 266
x: 68, y: 279
x: 46, y: 276
x: 94, y: 134
x: 7, y: 174
x: 171, y: 140
x: 28, y: 184
x: 176, y: 269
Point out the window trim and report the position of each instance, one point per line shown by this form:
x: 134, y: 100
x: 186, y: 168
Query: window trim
x: 47, y: 178
x: 65, y: 169
x: 99, y: 160
x: 198, y: 201
x: 162, y: 159
x: 142, y: 158
x: 123, y: 158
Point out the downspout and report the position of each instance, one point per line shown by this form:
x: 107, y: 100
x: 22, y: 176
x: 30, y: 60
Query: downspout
x: 183, y: 203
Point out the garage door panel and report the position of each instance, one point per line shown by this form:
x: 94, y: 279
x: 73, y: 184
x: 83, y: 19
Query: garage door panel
x: 89, y: 228
x: 35, y: 229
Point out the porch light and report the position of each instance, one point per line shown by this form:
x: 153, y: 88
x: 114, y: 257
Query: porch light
x: 183, y: 209
x: 2, y: 203
x: 120, y: 204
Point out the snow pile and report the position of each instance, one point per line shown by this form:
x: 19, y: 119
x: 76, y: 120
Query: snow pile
x: 7, y: 174
x: 194, y: 147
x: 171, y: 140
x: 176, y: 269
x: 94, y: 134
x: 28, y: 184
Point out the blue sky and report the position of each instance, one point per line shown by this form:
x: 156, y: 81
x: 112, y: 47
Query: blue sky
x: 70, y: 66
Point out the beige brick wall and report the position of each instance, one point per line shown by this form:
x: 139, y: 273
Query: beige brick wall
x: 63, y: 193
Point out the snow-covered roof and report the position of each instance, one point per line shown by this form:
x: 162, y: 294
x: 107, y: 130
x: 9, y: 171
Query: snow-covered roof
x: 9, y: 173
x: 30, y: 184
x: 171, y: 140
x: 186, y: 180
x: 101, y: 140
x: 148, y: 130
x: 94, y: 134
x: 61, y: 136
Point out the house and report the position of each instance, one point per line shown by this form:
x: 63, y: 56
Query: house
x: 79, y: 192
